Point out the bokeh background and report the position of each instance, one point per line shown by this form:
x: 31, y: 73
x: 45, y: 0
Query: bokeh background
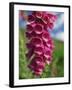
x: 56, y: 68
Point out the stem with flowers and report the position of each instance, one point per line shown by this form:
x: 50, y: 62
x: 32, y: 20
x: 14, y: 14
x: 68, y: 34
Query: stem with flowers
x: 40, y: 44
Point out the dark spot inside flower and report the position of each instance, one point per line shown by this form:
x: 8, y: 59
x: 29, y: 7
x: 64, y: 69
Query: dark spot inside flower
x: 29, y: 28
x: 36, y: 41
x: 39, y: 21
x: 38, y: 28
x: 31, y: 18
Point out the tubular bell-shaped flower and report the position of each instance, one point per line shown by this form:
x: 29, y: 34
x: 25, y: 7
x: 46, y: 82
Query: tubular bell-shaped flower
x: 40, y: 44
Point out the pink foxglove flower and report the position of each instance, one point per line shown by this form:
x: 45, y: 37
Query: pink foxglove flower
x: 40, y: 44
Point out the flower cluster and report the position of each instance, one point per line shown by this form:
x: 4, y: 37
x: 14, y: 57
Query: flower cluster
x: 40, y: 44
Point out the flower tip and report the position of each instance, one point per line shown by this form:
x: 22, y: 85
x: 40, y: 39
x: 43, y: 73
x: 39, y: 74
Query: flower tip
x: 31, y: 18
x: 38, y: 14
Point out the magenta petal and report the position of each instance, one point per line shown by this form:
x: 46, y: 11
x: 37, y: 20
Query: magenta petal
x: 51, y: 46
x: 39, y: 21
x: 38, y: 50
x: 34, y: 13
x: 38, y: 28
x: 37, y: 73
x: 37, y: 65
x: 36, y: 41
x: 31, y: 18
x: 46, y: 57
x: 32, y: 65
x: 50, y: 15
x: 29, y: 45
x: 33, y: 24
x: 45, y: 27
x: 28, y: 35
x: 38, y: 61
x: 49, y: 60
x: 45, y: 36
x: 50, y: 26
x: 50, y: 41
x: 33, y: 34
x: 47, y: 54
x: 29, y: 28
x: 38, y: 70
x: 54, y: 18
x: 45, y: 19
x: 40, y: 65
x: 38, y: 58
x: 47, y: 49
x: 38, y: 14
x: 30, y: 53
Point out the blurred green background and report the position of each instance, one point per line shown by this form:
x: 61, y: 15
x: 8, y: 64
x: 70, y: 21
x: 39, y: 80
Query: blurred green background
x: 55, y: 69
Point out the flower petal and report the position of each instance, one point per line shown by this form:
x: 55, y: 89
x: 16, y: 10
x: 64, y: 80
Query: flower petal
x: 38, y: 50
x: 29, y: 28
x: 30, y: 53
x: 38, y: 14
x: 31, y: 18
x: 38, y: 28
x: 45, y: 19
x: 36, y: 41
x: 45, y: 36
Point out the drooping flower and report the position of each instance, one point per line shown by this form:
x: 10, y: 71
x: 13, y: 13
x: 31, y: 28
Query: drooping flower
x: 37, y: 65
x: 40, y: 44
